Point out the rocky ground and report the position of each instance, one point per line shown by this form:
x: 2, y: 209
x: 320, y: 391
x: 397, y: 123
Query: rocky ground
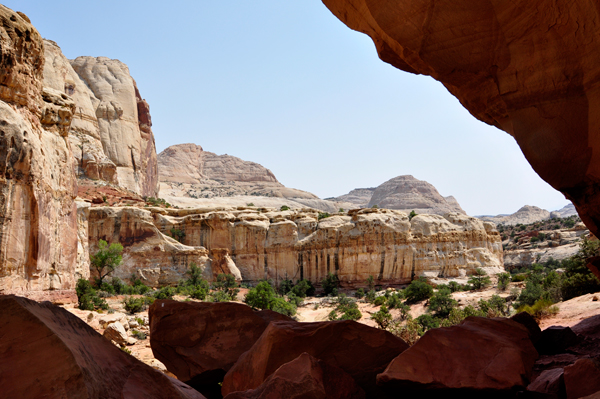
x: 313, y: 309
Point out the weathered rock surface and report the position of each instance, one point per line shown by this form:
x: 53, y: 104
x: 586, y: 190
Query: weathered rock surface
x: 264, y: 243
x: 407, y: 194
x: 38, y: 231
x: 187, y: 170
x: 403, y: 193
x: 526, y: 68
x: 200, y: 341
x: 49, y: 353
x: 359, y: 350
x: 305, y: 377
x: 550, y: 382
x: 479, y: 355
x: 527, y: 214
x: 111, y: 133
x: 360, y: 197
x: 582, y: 378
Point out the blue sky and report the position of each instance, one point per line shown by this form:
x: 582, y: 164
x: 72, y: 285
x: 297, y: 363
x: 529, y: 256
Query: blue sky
x: 287, y: 85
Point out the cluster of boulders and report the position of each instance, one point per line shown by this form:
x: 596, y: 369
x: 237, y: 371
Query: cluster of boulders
x: 228, y: 350
x: 120, y: 328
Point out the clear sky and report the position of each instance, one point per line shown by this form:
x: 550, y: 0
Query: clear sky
x: 287, y: 85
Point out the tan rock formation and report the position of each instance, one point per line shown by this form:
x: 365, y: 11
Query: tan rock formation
x: 528, y: 68
x: 111, y: 132
x: 295, y: 244
x: 407, y: 193
x: 38, y: 231
x: 526, y: 215
x: 186, y: 170
x: 360, y: 197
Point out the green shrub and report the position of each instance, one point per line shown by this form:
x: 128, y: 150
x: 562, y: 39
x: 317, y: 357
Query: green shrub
x: 294, y: 299
x: 285, y: 286
x: 519, y: 277
x: 303, y: 289
x: 418, y: 290
x: 360, y: 293
x: 219, y: 296
x: 479, y: 279
x: 138, y: 334
x: 261, y: 296
x: 383, y: 317
x: 284, y: 208
x: 164, y: 293
x: 87, y: 297
x: 494, y: 307
x: 323, y: 215
x: 346, y: 309
x: 177, y: 234
x: 412, y: 214
x: 428, y: 322
x: 279, y: 305
x: 227, y: 284
x: 370, y: 296
x: 454, y: 286
x: 380, y: 300
x: 394, y: 301
x: 503, y: 281
x: 409, y: 332
x: 441, y: 303
x: 330, y: 284
x: 133, y: 305
x: 540, y: 309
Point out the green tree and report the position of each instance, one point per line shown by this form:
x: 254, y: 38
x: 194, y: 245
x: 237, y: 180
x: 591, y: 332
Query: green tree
x: 441, y: 303
x: 503, y: 281
x: 383, y: 317
x: 227, y: 284
x: 412, y: 214
x: 479, y: 279
x: 106, y: 259
x: 330, y: 284
x: 261, y: 296
x: 370, y: 282
x: 303, y: 289
x: 418, y: 290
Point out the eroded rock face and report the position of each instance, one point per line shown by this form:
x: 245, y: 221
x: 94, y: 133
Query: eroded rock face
x: 305, y: 377
x: 359, y: 350
x: 479, y: 355
x: 60, y: 356
x: 199, y: 342
x: 111, y: 133
x: 296, y: 245
x: 526, y: 68
x: 38, y: 231
x: 407, y: 194
x: 187, y: 170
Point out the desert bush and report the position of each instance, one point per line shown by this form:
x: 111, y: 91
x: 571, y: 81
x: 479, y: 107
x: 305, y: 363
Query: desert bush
x: 479, y: 279
x: 346, y: 309
x: 494, y: 307
x: 418, y: 290
x: 284, y: 208
x: 380, y: 300
x: 330, y: 284
x: 410, y: 332
x: 164, y: 293
x: 87, y: 297
x: 226, y: 283
x: 285, y: 286
x: 394, y: 300
x: 503, y: 281
x: 303, y: 289
x: 133, y: 305
x: 428, y: 322
x: 441, y: 303
x: 360, y: 293
x: 383, y: 317
x: 540, y: 309
x: 323, y: 215
x: 261, y: 296
x: 138, y: 334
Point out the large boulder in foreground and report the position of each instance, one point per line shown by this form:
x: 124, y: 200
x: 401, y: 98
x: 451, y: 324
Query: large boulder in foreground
x: 302, y: 378
x: 200, y: 341
x: 480, y: 355
x: 46, y: 352
x: 359, y: 350
x: 526, y: 67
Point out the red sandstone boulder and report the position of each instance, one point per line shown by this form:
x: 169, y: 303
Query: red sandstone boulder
x: 200, y: 341
x: 582, y: 378
x: 46, y: 352
x: 479, y: 355
x: 307, y: 378
x: 359, y: 350
x: 549, y: 382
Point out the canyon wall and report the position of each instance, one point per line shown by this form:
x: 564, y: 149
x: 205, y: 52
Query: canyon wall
x: 111, y: 135
x: 295, y: 244
x: 38, y: 215
x: 528, y: 68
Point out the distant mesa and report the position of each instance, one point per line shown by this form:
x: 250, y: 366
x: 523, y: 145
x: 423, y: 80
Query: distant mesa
x: 403, y: 193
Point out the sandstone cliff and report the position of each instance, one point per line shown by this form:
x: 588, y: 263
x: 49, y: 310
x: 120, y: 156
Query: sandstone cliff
x: 111, y: 135
x: 360, y: 197
x: 528, y: 68
x: 38, y: 215
x: 295, y: 244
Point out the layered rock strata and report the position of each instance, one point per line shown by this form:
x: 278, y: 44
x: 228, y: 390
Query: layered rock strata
x: 528, y: 68
x: 296, y: 244
x: 38, y: 215
x: 111, y: 133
